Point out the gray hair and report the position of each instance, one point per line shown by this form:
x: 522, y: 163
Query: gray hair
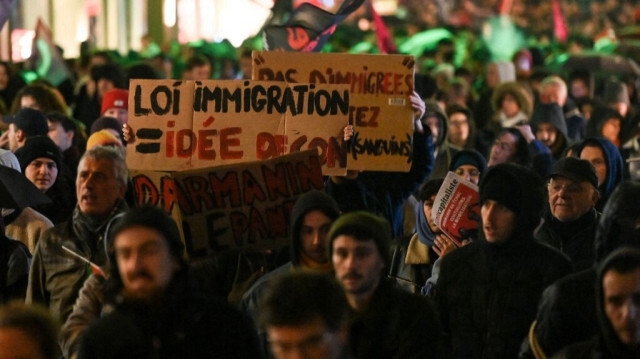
x: 116, y: 155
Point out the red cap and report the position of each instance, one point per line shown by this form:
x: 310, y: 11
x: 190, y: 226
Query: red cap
x: 116, y: 98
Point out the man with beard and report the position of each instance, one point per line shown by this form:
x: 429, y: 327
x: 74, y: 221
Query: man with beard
x: 158, y: 312
x: 387, y: 322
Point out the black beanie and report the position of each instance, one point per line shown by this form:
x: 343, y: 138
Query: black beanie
x: 36, y: 147
x: 504, y: 189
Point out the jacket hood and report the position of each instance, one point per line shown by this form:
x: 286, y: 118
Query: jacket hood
x: 627, y: 259
x: 550, y: 113
x: 310, y: 201
x: 620, y: 217
x: 519, y: 189
x: 613, y: 159
x: 600, y: 115
x: 432, y: 108
x: 517, y: 91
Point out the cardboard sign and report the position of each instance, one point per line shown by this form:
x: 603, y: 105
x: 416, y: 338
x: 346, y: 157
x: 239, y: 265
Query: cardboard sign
x: 379, y: 110
x: 241, y: 205
x: 181, y: 125
x: 456, y: 209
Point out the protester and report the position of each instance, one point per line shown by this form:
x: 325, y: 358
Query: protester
x: 104, y: 78
x: 496, y: 73
x: 306, y: 316
x: 512, y: 107
x: 27, y: 332
x: 197, y: 68
x: 157, y: 313
x: 553, y: 89
x: 115, y: 103
x: 549, y: 126
x: 566, y: 313
x: 569, y: 224
x: 70, y: 138
x: 10, y: 84
x: 414, y: 255
x: 39, y: 96
x: 487, y: 291
x: 469, y: 164
x: 437, y: 121
x: 618, y: 310
x: 387, y: 322
x: 606, y: 159
x: 22, y: 224
x: 41, y: 162
x: 23, y: 124
x: 56, y: 276
x: 311, y: 217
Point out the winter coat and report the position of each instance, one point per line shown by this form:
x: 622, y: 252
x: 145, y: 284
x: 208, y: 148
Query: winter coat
x: 575, y: 239
x: 411, y: 263
x: 396, y: 324
x: 487, y: 294
x: 56, y: 276
x: 27, y: 226
x: 183, y: 324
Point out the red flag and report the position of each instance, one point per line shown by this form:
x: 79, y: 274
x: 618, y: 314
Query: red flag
x: 505, y: 7
x: 385, y: 41
x: 559, y: 26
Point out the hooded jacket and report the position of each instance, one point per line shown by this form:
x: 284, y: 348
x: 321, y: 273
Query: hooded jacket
x: 566, y: 314
x: 615, y: 167
x: 314, y: 200
x: 606, y: 345
x: 487, y: 293
x: 551, y: 114
x: 443, y: 150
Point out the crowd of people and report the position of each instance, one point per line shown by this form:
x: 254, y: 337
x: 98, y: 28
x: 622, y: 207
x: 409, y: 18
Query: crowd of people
x: 552, y: 270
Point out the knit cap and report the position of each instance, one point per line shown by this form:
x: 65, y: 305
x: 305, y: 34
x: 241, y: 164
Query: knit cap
x: 37, y: 147
x: 103, y: 138
x: 116, y: 98
x: 363, y: 226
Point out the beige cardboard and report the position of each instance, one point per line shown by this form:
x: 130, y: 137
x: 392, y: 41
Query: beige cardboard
x: 226, y: 122
x: 244, y: 205
x: 380, y: 109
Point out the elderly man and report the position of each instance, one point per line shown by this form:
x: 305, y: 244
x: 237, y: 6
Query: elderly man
x: 553, y: 89
x: 488, y: 291
x: 158, y: 312
x: 570, y: 223
x: 387, y: 321
x: 56, y: 276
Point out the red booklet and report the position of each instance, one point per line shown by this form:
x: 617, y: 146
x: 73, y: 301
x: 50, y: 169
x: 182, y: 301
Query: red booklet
x: 456, y: 209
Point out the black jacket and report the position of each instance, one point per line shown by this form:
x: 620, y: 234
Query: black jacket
x: 396, y: 325
x: 487, y: 294
x: 183, y: 324
x: 575, y: 239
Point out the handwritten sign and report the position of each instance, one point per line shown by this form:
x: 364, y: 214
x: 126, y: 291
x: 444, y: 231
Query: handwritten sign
x: 181, y: 125
x: 379, y: 109
x: 240, y: 205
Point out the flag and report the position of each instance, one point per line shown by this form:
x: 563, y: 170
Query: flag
x: 559, y: 26
x: 5, y: 10
x: 308, y: 28
x: 385, y: 41
x: 505, y: 7
x: 45, y: 58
